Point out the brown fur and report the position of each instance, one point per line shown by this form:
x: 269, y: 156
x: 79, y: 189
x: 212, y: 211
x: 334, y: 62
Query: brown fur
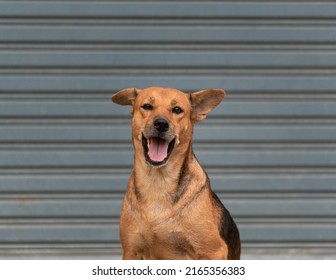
x: 170, y: 211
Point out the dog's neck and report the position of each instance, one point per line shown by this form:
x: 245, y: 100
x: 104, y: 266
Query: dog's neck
x: 168, y: 184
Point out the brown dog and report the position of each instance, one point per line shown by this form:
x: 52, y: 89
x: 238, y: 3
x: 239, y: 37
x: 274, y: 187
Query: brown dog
x: 170, y: 211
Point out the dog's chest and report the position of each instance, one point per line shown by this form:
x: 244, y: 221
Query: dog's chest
x: 164, y: 238
x: 167, y: 245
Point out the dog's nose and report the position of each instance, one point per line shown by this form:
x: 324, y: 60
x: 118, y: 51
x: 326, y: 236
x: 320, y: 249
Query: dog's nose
x: 161, y: 125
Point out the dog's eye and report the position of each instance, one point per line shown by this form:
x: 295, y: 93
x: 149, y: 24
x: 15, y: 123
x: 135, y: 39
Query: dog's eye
x: 177, y: 110
x: 147, y: 107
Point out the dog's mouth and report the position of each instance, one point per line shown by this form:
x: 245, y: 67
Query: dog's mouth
x: 157, y: 150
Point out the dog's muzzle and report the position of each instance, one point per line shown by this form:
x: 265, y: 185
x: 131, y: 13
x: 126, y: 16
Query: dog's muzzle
x: 157, y: 145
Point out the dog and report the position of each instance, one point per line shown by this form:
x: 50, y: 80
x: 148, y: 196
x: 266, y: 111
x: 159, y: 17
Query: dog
x: 169, y: 210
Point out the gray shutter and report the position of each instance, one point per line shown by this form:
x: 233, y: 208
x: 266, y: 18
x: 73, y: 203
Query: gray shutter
x: 65, y: 149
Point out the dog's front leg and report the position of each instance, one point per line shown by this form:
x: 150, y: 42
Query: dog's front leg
x: 216, y: 255
x: 213, y: 253
x: 128, y: 255
x: 134, y: 247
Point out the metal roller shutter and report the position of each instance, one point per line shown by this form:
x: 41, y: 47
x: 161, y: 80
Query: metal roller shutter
x: 65, y: 149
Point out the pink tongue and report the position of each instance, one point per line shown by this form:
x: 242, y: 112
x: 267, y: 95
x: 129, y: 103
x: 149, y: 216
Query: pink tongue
x: 157, y: 149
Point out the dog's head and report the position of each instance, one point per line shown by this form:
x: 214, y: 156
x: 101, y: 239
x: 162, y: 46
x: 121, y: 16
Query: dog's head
x: 163, y: 119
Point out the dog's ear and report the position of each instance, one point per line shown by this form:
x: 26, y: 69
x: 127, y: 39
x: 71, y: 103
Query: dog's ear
x: 125, y: 96
x: 204, y: 101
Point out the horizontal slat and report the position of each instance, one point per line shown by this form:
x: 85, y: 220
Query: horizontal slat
x: 299, y: 233
x: 59, y: 233
x: 168, y: 34
x: 59, y: 208
x: 189, y: 82
x: 92, y: 208
x: 61, y: 251
x: 208, y: 157
x: 62, y: 108
x: 108, y: 208
x: 225, y: 182
x: 287, y: 207
x: 161, y: 59
x: 265, y: 133
x: 280, y: 183
x: 204, y: 132
x: 63, y: 183
x: 168, y: 9
x: 228, y: 108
